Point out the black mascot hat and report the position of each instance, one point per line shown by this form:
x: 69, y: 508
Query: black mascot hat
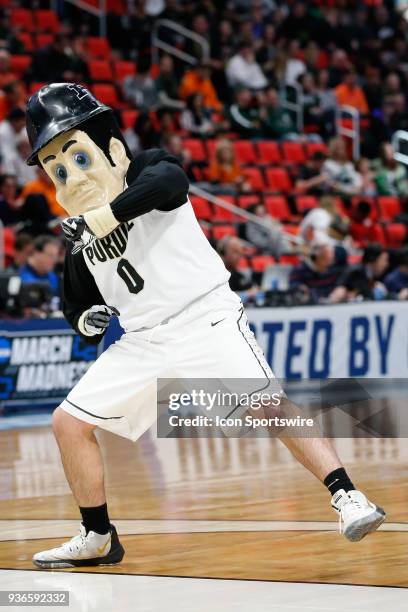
x: 58, y: 108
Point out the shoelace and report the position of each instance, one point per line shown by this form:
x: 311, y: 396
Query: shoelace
x: 78, y: 542
x: 355, y: 505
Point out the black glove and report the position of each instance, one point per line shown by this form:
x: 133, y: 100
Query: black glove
x: 77, y: 231
x: 96, y: 319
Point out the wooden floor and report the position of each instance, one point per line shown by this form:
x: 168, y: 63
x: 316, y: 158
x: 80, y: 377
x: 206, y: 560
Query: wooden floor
x: 211, y: 508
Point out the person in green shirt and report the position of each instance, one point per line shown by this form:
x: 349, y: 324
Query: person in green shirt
x: 276, y: 120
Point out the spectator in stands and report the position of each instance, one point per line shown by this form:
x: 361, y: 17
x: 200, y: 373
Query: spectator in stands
x: 243, y: 116
x: 243, y: 70
x: 196, y: 119
x: 339, y: 67
x: 174, y: 145
x: 368, y: 186
x: 53, y: 62
x: 294, y: 66
x: 15, y: 163
x: 391, y: 176
x: 317, y: 275
x: 8, y: 38
x: 396, y: 281
x: 231, y: 250
x: 23, y: 248
x: 224, y: 171
x: 6, y: 76
x: 319, y: 220
x: 363, y: 230
x: 10, y: 129
x: 167, y: 85
x: 372, y: 88
x: 42, y: 185
x: 12, y: 96
x: 266, y: 53
x: 313, y: 113
x: 198, y: 80
x: 311, y: 179
x: 268, y: 237
x: 41, y: 264
x: 276, y: 121
x: 349, y: 93
x: 144, y: 134
x: 363, y: 280
x: 10, y: 213
x: 345, y: 178
x: 327, y: 99
x: 140, y: 89
x: 396, y: 117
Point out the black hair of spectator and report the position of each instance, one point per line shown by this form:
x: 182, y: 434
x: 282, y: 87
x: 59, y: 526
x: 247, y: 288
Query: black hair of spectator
x: 403, y: 256
x: 101, y: 129
x: 363, y: 208
x: 144, y: 64
x: 5, y: 177
x: 16, y: 113
x: 22, y: 240
x: 318, y: 156
x: 372, y: 252
x: 252, y: 207
x: 41, y: 242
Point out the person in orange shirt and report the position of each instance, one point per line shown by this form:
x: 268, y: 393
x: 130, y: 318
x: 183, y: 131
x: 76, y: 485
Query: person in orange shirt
x: 350, y: 93
x: 45, y: 186
x: 224, y: 169
x: 197, y: 80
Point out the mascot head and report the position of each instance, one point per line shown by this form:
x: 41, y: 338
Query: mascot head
x: 77, y: 141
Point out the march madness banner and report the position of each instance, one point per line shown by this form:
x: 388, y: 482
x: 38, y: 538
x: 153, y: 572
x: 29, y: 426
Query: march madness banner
x: 368, y: 339
x: 40, y: 361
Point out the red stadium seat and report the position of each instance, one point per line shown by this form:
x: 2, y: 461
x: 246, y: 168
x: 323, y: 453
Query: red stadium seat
x: 98, y: 48
x: 365, y: 233
x: 222, y: 215
x: 313, y: 147
x: 42, y: 40
x: 123, y: 69
x: 46, y: 21
x: 202, y: 207
x: 219, y: 231
x: 305, y: 203
x: 195, y: 147
x: 100, y: 70
x: 277, y: 207
x: 278, y: 180
x: 260, y: 262
x: 35, y: 86
x: 395, y: 234
x: 390, y: 207
x: 268, y: 152
x: 247, y: 200
x: 255, y: 178
x: 245, y: 152
x: 293, y: 153
x: 19, y: 64
x: 211, y: 144
x: 27, y: 41
x: 107, y: 94
x: 243, y: 264
x: 292, y: 260
x: 22, y: 19
x: 128, y: 118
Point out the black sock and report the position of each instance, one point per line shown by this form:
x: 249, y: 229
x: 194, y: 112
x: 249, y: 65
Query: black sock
x: 96, y: 519
x: 337, y: 480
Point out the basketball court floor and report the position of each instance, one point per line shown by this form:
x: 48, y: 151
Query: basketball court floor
x: 209, y: 524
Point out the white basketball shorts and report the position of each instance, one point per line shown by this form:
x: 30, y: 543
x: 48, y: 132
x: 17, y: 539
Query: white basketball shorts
x: 209, y: 339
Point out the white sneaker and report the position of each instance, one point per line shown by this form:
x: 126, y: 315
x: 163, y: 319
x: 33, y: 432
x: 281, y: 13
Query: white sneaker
x: 84, y: 549
x: 358, y: 515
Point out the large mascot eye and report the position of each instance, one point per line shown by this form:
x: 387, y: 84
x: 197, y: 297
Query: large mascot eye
x: 82, y: 159
x: 61, y: 173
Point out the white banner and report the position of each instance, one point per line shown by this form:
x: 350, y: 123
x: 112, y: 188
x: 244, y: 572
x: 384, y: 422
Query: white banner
x: 368, y: 339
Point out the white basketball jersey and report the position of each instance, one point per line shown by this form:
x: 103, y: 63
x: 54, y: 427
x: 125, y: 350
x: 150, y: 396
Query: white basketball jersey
x: 152, y: 267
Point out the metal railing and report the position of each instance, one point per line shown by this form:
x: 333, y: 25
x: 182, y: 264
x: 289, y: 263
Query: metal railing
x: 99, y: 11
x: 354, y: 131
x: 296, y: 105
x: 218, y: 201
x: 159, y: 44
x: 399, y: 137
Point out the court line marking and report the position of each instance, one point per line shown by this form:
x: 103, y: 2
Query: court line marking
x: 98, y: 571
x: 21, y: 529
